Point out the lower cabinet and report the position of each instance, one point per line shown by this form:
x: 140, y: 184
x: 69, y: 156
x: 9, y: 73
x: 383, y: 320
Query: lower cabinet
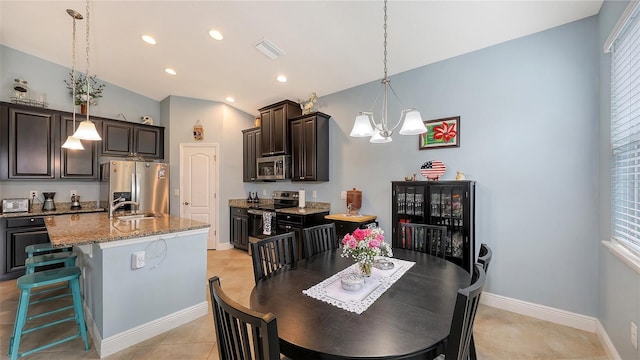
x: 239, y: 228
x: 18, y: 233
x: 296, y: 222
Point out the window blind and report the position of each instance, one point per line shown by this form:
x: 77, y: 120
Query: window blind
x: 625, y: 134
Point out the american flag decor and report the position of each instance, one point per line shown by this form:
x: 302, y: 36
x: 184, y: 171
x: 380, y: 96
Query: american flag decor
x: 432, y: 169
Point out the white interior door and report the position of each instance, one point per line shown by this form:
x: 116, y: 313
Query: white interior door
x: 199, y: 185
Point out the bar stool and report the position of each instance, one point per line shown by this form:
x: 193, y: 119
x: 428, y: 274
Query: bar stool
x: 70, y: 275
x: 67, y: 258
x: 37, y: 249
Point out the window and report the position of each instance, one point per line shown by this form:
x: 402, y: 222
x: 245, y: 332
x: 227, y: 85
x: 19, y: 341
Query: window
x: 625, y: 131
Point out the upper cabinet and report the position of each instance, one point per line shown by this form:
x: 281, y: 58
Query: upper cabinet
x: 27, y: 140
x: 77, y: 164
x: 123, y: 139
x: 31, y: 140
x: 310, y: 147
x: 274, y: 126
x: 251, y: 150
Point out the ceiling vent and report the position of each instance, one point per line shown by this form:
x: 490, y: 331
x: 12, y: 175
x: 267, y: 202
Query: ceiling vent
x: 269, y: 49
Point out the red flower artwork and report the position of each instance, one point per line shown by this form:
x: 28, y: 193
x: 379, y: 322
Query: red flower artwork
x: 446, y: 131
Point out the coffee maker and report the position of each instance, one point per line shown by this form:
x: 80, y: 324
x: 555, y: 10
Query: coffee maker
x: 48, y: 204
x: 75, y: 202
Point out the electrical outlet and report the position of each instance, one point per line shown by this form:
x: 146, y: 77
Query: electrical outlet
x: 72, y: 192
x: 314, y: 194
x: 137, y: 260
x: 264, y: 192
x: 33, y: 194
x: 343, y: 195
x: 634, y: 335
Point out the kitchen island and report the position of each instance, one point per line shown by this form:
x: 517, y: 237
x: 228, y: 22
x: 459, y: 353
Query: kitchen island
x: 126, y: 304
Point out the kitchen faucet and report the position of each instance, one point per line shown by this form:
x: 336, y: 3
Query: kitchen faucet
x: 118, y: 203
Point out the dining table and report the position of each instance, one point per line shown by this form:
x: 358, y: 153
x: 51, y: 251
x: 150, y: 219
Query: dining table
x: 410, y: 320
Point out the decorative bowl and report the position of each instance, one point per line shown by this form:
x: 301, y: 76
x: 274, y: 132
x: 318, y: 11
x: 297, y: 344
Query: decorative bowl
x: 383, y: 264
x: 352, y: 282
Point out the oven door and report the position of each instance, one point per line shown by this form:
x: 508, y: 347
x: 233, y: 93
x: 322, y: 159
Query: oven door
x: 256, y: 223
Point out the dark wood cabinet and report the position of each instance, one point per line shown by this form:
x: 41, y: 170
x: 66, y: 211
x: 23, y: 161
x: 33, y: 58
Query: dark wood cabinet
x: 448, y: 203
x: 28, y: 138
x: 310, y: 147
x: 239, y: 228
x: 77, y: 164
x: 274, y: 126
x: 287, y: 222
x: 19, y: 233
x: 251, y: 150
x: 124, y: 139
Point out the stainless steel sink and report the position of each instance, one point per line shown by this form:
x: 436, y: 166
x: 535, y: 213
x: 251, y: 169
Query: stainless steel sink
x: 137, y: 216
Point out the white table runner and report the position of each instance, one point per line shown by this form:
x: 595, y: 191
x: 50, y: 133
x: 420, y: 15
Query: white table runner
x: 330, y: 290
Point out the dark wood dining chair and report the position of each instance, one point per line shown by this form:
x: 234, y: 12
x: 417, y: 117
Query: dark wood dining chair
x: 273, y: 254
x: 464, y: 314
x: 242, y: 333
x: 319, y: 238
x: 484, y: 256
x: 431, y: 239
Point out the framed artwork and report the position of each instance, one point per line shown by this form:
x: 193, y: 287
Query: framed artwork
x: 440, y: 133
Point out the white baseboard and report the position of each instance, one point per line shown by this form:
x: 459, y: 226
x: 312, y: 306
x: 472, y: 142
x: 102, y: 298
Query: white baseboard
x: 556, y: 316
x: 123, y: 340
x: 224, y: 246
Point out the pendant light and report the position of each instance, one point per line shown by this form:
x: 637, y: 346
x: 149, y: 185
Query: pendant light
x: 87, y: 129
x: 366, y: 126
x: 72, y: 142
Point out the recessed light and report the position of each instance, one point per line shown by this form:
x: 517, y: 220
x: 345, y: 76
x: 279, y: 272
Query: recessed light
x: 282, y: 78
x: 216, y: 34
x: 230, y: 99
x: 170, y: 71
x: 148, y: 39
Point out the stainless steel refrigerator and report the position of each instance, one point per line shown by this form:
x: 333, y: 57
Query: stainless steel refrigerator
x: 144, y: 182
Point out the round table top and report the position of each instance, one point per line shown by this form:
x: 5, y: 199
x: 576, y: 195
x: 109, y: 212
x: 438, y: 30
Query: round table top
x: 410, y: 319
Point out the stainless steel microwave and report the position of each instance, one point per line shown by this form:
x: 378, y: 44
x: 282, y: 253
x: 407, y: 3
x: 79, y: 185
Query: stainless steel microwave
x: 274, y: 167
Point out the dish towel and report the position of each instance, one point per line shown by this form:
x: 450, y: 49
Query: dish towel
x: 266, y: 222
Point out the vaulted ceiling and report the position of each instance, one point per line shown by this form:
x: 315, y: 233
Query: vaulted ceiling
x: 328, y: 45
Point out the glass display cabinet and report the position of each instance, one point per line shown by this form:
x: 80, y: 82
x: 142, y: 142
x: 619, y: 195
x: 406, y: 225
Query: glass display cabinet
x: 448, y: 203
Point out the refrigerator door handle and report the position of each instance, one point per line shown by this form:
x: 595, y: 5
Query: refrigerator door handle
x: 134, y: 187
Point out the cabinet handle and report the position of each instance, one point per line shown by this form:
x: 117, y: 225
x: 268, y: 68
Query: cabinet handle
x: 186, y: 203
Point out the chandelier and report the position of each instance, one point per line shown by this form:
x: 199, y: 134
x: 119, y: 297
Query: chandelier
x: 366, y: 126
x: 72, y: 142
x: 87, y: 129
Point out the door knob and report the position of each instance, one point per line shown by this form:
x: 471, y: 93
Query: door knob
x: 186, y: 203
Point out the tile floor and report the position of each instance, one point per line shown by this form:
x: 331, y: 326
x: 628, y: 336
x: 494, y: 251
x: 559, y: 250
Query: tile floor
x: 499, y: 334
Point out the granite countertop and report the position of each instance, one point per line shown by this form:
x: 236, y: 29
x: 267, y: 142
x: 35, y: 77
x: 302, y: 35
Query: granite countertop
x: 89, y: 228
x: 61, y: 208
x: 312, y: 207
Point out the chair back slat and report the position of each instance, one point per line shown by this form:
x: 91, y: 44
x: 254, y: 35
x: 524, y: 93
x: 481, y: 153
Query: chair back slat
x: 484, y: 257
x: 430, y: 239
x: 273, y: 254
x: 464, y: 315
x: 241, y: 333
x: 318, y: 239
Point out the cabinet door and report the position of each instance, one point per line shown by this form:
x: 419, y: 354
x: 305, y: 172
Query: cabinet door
x: 117, y: 138
x: 148, y: 142
x: 250, y: 152
x: 31, y: 144
x: 279, y: 128
x: 266, y: 132
x: 408, y: 205
x: 240, y: 231
x: 17, y: 240
x: 77, y: 164
x: 309, y: 150
x: 298, y: 150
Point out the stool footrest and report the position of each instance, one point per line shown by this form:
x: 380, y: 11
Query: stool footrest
x: 68, y: 338
x: 38, y: 316
x: 26, y: 331
x: 46, y: 291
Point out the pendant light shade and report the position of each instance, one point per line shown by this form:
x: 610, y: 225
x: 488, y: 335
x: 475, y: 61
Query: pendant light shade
x: 413, y: 124
x: 377, y: 138
x: 362, y: 126
x: 73, y: 143
x: 87, y: 131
